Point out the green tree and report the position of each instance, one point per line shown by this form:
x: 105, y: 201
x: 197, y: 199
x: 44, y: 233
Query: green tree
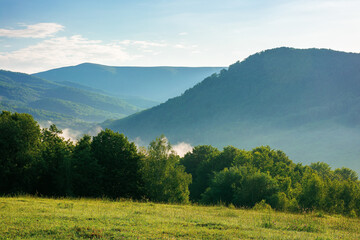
x: 254, y: 188
x: 242, y: 186
x: 313, y: 191
x: 198, y: 164
x: 224, y: 185
x: 120, y: 163
x: 279, y: 201
x: 322, y: 169
x: 346, y: 174
x: 349, y: 194
x: 19, y: 150
x: 54, y: 169
x: 273, y: 161
x: 165, y: 179
x: 87, y: 173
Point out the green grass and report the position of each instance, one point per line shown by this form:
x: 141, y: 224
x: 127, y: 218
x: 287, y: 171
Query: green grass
x: 41, y: 218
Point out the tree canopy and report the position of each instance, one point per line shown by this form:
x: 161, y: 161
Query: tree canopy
x: 40, y: 161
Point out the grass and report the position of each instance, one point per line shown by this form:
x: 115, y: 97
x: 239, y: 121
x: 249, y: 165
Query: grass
x: 42, y: 218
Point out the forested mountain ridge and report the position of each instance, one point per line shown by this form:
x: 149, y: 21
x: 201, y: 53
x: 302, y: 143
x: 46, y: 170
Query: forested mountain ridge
x: 151, y: 83
x: 52, y: 101
x: 306, y: 102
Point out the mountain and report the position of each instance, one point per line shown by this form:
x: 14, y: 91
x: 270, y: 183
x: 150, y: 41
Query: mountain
x: 156, y: 84
x: 304, y: 102
x: 64, y: 105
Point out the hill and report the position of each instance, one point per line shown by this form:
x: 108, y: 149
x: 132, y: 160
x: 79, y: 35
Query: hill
x: 42, y: 218
x: 156, y: 84
x: 305, y: 102
x: 64, y: 105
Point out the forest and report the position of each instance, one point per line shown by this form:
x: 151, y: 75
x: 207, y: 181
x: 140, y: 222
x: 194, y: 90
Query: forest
x: 38, y: 161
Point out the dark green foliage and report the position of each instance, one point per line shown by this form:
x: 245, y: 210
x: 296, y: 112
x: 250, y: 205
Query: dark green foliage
x: 255, y: 187
x: 224, y: 185
x: 120, y: 163
x: 164, y: 178
x: 287, y: 98
x: 42, y: 162
x: 197, y: 163
x: 241, y: 187
x: 346, y: 174
x: 249, y: 177
x: 87, y: 172
x: 313, y: 191
x: 55, y: 166
x: 19, y: 150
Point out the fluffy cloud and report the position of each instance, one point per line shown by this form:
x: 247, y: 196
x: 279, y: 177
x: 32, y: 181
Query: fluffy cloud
x: 143, y: 44
x: 54, y: 52
x: 61, y: 51
x: 39, y: 30
x: 182, y: 148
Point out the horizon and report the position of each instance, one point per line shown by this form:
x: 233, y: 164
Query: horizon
x: 177, y: 33
x: 173, y: 66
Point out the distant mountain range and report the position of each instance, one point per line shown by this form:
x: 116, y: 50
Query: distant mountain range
x: 304, y: 102
x: 151, y: 85
x: 79, y: 96
x: 64, y: 105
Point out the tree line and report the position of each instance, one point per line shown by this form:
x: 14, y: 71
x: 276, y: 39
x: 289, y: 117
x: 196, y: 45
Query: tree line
x: 40, y: 161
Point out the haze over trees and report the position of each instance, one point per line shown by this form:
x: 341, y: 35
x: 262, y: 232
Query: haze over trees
x: 305, y: 102
x: 39, y: 161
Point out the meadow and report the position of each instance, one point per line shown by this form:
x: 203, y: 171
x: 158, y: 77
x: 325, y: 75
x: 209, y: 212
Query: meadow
x: 28, y: 217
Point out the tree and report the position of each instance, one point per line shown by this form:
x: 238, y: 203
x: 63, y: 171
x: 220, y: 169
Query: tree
x: 322, y: 169
x: 197, y: 163
x: 273, y: 161
x: 346, y: 174
x: 165, y: 179
x: 19, y: 150
x: 120, y: 163
x: 224, y: 185
x: 54, y: 169
x: 241, y: 186
x: 254, y: 188
x: 313, y: 191
x: 87, y: 173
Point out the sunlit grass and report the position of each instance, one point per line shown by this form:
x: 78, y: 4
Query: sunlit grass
x: 41, y: 218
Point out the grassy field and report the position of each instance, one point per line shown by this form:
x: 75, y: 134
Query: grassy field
x: 41, y: 218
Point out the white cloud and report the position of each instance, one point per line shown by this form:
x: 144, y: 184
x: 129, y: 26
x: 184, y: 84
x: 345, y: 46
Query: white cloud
x: 39, y: 30
x: 70, y: 134
x: 182, y: 148
x: 183, y: 34
x: 61, y: 51
x: 94, y: 131
x: 143, y: 44
x: 180, y: 46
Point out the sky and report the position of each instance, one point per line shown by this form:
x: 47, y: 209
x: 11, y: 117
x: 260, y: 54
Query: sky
x: 39, y: 35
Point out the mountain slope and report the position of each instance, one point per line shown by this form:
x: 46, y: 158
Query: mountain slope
x: 305, y: 102
x: 52, y: 101
x: 152, y: 83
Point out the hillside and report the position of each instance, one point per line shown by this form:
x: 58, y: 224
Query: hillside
x: 305, y: 102
x: 64, y: 105
x: 156, y: 84
x: 42, y: 218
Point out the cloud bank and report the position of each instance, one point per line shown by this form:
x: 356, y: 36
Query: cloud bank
x: 39, y: 30
x: 60, y: 51
x: 182, y: 148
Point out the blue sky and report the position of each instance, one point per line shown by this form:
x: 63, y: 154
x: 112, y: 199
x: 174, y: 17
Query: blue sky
x: 39, y: 35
